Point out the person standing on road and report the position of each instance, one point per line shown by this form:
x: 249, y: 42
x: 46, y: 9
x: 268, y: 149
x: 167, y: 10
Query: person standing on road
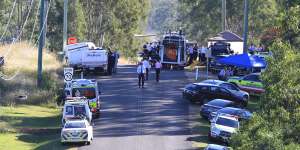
x: 157, y: 69
x: 191, y: 55
x: 141, y: 70
x: 222, y: 74
x: 147, y: 65
x: 116, y: 57
x: 110, y: 62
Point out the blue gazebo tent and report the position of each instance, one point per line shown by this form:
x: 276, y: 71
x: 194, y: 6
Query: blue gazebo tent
x: 244, y: 61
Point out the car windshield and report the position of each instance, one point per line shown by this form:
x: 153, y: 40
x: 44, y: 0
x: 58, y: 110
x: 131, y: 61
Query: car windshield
x: 219, y: 103
x: 227, y: 122
x: 89, y: 93
x: 79, y: 110
x: 191, y: 87
x: 75, y: 125
x: 229, y: 110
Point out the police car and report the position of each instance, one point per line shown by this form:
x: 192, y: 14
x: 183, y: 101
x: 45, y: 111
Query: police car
x: 76, y: 108
x: 222, y: 127
x: 250, y: 83
x: 77, y: 131
x: 86, y: 88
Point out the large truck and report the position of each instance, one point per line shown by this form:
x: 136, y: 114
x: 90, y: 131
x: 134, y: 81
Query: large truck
x: 86, y: 57
x: 173, y: 50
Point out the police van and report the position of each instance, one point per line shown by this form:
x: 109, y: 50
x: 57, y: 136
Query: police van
x: 86, y: 88
x: 76, y: 108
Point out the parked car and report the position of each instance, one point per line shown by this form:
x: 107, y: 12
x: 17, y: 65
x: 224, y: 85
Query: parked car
x: 222, y: 127
x: 77, y: 131
x: 250, y: 83
x: 208, y: 90
x: 241, y: 114
x: 215, y: 147
x: 214, y: 106
x: 76, y: 108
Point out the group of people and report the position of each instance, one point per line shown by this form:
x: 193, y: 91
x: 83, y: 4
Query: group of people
x: 225, y: 73
x: 112, y: 61
x: 151, y: 51
x: 252, y: 48
x: 143, y: 70
x: 195, y: 52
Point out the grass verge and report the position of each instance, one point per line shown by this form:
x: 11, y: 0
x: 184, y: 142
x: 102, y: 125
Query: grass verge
x: 27, y: 127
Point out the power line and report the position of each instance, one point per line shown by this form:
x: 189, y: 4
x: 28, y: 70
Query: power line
x: 5, y: 77
x: 34, y: 24
x: 9, y: 19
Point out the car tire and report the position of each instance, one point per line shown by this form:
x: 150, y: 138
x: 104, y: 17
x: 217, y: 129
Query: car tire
x: 89, y: 142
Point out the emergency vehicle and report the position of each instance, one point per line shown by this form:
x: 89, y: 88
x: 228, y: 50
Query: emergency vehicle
x: 86, y: 88
x: 77, y: 131
x: 173, y: 50
x: 76, y: 108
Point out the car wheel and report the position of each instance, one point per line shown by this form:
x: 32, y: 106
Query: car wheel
x: 89, y: 142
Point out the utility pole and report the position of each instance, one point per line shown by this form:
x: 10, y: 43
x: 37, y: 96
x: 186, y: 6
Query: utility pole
x: 41, y: 44
x: 65, y: 29
x: 245, y: 36
x: 223, y: 15
x: 45, y: 24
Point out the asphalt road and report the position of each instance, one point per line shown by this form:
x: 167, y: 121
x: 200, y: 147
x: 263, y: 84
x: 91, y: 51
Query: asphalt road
x: 153, y: 118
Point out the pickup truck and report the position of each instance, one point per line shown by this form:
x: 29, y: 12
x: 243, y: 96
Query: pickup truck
x: 86, y: 56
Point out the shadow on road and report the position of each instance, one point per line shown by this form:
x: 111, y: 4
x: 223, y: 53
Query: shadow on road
x: 156, y: 110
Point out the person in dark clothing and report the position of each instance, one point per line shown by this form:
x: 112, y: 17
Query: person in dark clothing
x: 110, y: 62
x: 195, y: 52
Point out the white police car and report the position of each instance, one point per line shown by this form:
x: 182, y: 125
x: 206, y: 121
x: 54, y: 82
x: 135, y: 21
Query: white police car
x: 77, y: 131
x: 222, y: 127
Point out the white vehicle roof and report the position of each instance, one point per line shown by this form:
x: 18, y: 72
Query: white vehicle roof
x: 90, y: 45
x: 76, y: 101
x: 76, y: 120
x: 83, y: 82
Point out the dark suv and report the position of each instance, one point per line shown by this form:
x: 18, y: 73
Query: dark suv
x: 208, y: 90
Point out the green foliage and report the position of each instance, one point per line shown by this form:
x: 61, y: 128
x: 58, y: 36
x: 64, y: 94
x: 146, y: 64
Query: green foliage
x: 163, y: 16
x: 116, y: 20
x: 202, y: 18
x: 276, y: 125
